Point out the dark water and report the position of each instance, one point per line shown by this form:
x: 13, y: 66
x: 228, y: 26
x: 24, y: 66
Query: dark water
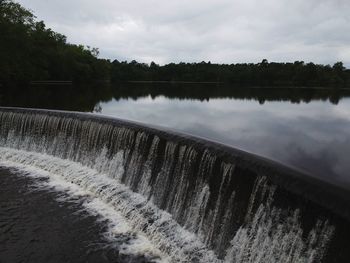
x: 205, y: 206
x: 308, y: 129
x: 35, y: 227
x: 314, y: 136
x: 195, y: 201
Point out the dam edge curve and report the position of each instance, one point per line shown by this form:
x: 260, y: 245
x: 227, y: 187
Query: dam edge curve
x: 214, y: 180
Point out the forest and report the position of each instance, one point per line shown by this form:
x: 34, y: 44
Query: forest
x: 29, y: 51
x: 298, y: 73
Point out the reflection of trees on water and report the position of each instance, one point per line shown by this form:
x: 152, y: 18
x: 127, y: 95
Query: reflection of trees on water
x: 98, y: 108
x: 87, y: 97
x: 208, y: 91
x: 81, y: 97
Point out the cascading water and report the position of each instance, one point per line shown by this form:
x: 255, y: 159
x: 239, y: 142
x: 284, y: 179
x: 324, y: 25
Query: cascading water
x: 195, y: 201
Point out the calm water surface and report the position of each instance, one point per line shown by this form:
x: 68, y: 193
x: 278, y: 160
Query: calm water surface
x: 308, y: 129
x: 313, y: 136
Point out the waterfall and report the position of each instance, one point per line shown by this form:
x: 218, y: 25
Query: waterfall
x: 196, y: 201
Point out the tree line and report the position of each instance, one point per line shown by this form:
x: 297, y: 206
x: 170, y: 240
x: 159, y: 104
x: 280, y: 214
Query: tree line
x: 29, y: 51
x: 265, y: 73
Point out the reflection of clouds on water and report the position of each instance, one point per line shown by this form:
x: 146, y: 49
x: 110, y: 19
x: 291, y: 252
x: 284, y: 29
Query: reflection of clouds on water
x: 313, y: 137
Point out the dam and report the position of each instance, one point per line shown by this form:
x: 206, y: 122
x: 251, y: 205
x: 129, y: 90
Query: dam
x: 194, y: 200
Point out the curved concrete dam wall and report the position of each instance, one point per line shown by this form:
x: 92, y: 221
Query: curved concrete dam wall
x: 196, y: 200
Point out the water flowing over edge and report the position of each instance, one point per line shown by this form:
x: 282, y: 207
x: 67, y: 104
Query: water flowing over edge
x: 191, y: 205
x: 119, y: 235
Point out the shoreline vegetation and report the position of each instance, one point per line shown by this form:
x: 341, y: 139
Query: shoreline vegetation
x: 31, y: 53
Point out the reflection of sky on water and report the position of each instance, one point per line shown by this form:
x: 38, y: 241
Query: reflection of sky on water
x: 314, y: 136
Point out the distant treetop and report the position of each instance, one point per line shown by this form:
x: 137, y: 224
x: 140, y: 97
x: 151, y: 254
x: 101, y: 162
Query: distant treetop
x: 31, y: 51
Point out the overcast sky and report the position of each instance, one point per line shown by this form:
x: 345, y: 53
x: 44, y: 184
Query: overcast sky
x: 224, y: 31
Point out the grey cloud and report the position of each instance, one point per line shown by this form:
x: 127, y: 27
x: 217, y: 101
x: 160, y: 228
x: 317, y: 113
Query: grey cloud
x: 221, y: 31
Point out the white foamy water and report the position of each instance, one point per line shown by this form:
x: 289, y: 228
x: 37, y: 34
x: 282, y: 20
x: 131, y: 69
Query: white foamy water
x: 183, y: 202
x: 127, y: 212
x: 119, y: 234
x: 155, y: 234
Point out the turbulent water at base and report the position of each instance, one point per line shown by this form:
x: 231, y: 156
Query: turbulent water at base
x: 53, y: 220
x: 189, y: 203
